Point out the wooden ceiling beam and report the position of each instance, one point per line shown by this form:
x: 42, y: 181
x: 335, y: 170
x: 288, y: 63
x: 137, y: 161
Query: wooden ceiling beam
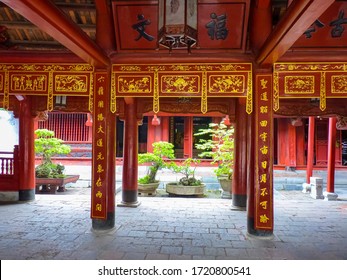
x: 54, y: 22
x: 300, y: 15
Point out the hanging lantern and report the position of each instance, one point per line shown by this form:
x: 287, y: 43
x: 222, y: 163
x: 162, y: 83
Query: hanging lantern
x: 226, y: 120
x: 155, y: 121
x: 89, y: 121
x: 178, y: 24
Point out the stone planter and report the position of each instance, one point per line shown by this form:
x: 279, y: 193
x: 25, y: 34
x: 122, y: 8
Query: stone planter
x: 147, y: 189
x: 53, y: 185
x: 177, y: 189
x: 225, y: 184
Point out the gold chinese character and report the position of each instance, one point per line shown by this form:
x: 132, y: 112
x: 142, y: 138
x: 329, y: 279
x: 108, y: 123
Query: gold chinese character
x: 263, y: 123
x: 99, y: 142
x: 98, y: 182
x: 264, y: 150
x: 100, y: 117
x: 263, y: 192
x: 100, y: 104
x: 98, y: 207
x: 263, y: 178
x: 264, y: 164
x: 263, y: 204
x: 100, y: 129
x: 101, y: 91
x: 263, y: 136
x: 263, y: 96
x: 100, y: 156
x: 100, y: 169
x: 263, y: 219
x: 263, y: 83
x: 98, y: 194
x: 263, y: 109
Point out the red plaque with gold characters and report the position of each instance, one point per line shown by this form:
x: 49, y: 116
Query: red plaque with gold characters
x: 99, y: 189
x: 263, y: 148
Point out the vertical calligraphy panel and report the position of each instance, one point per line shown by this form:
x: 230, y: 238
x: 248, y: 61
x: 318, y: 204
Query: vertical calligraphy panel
x: 264, y: 153
x: 99, y: 189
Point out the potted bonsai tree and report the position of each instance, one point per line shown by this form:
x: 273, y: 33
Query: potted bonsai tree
x: 49, y: 175
x: 220, y: 148
x: 188, y: 184
x: 158, y: 159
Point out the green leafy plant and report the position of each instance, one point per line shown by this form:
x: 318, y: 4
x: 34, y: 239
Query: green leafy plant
x: 158, y: 159
x: 187, y: 168
x: 220, y: 147
x: 47, y: 146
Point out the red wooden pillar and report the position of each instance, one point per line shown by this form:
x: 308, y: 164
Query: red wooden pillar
x: 165, y: 128
x: 239, y: 182
x: 130, y: 155
x: 154, y: 134
x: 260, y: 199
x: 103, y: 154
x: 26, y: 151
x: 330, y: 195
x: 310, y: 149
x: 188, y: 137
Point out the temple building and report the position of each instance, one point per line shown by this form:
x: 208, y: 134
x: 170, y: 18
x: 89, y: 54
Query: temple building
x: 112, y: 77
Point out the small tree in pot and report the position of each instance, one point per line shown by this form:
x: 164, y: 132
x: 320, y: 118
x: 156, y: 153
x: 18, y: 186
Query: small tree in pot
x: 220, y: 147
x: 47, y: 146
x: 162, y: 151
x: 188, y: 184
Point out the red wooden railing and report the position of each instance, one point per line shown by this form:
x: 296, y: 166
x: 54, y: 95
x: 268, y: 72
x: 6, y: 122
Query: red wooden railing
x: 6, y: 163
x: 9, y: 175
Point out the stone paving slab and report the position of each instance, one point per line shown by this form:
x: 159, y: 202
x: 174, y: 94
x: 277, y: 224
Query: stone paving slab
x: 59, y: 227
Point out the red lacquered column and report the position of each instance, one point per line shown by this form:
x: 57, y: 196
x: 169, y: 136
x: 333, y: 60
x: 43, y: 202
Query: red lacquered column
x: 310, y: 149
x: 26, y: 151
x: 130, y: 156
x: 239, y: 182
x: 330, y: 193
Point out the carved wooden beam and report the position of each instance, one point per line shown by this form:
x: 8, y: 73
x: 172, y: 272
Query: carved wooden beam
x: 54, y: 22
x: 300, y: 15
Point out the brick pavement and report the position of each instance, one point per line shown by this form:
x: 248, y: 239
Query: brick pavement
x: 59, y: 227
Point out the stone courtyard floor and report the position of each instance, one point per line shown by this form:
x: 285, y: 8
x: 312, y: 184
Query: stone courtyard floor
x: 58, y: 227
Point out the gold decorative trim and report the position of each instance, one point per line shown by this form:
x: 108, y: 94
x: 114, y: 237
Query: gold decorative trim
x: 276, y: 92
x: 323, y: 95
x: 50, y: 104
x: 156, y: 92
x: 113, y: 103
x: 204, y: 108
x: 6, y: 102
x: 91, y: 94
x: 249, y: 97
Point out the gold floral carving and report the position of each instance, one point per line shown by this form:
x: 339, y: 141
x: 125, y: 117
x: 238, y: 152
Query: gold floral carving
x: 227, y: 84
x: 113, y: 103
x: 276, y: 92
x: 249, y: 97
x: 180, y: 84
x: 299, y: 85
x: 6, y: 102
x: 323, y: 94
x: 156, y: 93
x: 204, y: 108
x: 339, y: 84
x: 50, y: 92
x: 131, y: 84
x: 91, y: 95
x: 68, y: 83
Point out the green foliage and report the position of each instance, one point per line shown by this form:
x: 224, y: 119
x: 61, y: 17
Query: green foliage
x: 47, y: 146
x: 161, y: 151
x: 220, y: 147
x: 188, y: 172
